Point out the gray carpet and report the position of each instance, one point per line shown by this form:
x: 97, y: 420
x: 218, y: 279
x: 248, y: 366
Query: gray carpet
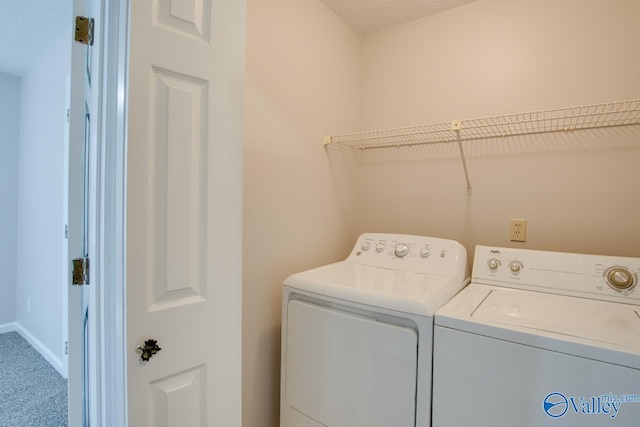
x: 32, y: 392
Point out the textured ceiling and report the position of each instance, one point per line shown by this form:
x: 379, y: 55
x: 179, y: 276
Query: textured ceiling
x: 27, y: 29
x: 371, y: 15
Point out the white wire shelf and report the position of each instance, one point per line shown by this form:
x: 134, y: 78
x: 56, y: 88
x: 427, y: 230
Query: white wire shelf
x: 620, y: 113
x: 569, y: 119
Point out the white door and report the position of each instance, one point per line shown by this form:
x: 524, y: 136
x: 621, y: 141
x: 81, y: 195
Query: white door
x: 183, y: 214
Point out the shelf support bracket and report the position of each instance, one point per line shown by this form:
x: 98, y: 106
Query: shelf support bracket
x: 455, y: 126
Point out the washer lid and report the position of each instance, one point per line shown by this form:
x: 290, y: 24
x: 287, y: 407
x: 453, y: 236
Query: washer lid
x: 413, y: 293
x: 600, y: 330
x: 606, y: 322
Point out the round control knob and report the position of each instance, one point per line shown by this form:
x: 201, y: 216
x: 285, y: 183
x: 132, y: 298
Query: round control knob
x: 379, y: 247
x: 425, y: 252
x: 401, y: 250
x: 620, y: 278
x: 515, y: 266
x: 493, y: 263
x: 366, y: 246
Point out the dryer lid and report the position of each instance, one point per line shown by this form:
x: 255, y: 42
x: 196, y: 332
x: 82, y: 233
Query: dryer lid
x: 407, y: 292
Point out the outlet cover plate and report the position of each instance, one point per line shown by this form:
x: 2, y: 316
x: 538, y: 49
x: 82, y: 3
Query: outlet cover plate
x: 518, y: 230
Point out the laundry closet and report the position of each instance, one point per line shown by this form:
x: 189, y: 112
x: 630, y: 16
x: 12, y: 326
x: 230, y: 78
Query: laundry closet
x: 310, y: 74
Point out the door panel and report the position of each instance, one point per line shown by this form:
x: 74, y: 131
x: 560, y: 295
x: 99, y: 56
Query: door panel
x: 179, y: 399
x: 178, y: 161
x: 183, y: 219
x: 190, y: 17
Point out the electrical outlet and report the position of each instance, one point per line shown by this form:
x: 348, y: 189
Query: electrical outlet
x: 518, y: 230
x: 28, y: 304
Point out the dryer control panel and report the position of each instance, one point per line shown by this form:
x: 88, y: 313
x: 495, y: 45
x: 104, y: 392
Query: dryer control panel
x: 591, y: 276
x: 416, y: 254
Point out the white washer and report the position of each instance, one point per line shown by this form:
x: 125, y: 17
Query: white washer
x: 540, y: 338
x: 357, y: 335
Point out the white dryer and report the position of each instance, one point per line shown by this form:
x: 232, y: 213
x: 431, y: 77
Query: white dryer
x: 540, y: 338
x: 357, y: 335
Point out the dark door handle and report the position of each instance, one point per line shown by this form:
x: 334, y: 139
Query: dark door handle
x: 150, y: 348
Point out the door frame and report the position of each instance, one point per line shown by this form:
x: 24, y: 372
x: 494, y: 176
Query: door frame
x: 113, y: 227
x: 107, y: 362
x: 75, y: 221
x: 65, y: 237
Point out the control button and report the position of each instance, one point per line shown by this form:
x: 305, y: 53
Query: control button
x: 379, y: 247
x: 401, y: 250
x: 366, y: 246
x: 443, y: 253
x: 515, y: 266
x: 425, y: 252
x: 493, y: 264
x: 619, y: 278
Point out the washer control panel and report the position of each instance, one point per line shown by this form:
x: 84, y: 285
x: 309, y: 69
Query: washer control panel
x: 593, y: 276
x: 418, y: 254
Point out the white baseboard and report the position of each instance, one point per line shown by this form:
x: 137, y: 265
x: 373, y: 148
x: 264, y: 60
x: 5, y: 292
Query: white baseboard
x: 8, y: 327
x: 41, y: 348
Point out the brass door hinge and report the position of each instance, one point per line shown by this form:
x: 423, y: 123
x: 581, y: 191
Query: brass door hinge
x: 84, y: 30
x: 80, y: 275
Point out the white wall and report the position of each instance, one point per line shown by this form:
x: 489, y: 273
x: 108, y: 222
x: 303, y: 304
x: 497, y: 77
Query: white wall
x: 493, y: 57
x: 578, y: 192
x: 9, y: 142
x: 40, y: 203
x: 302, y: 81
